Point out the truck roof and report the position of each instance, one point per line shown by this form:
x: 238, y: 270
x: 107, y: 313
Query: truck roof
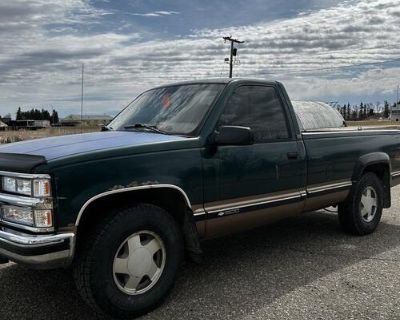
x: 219, y: 80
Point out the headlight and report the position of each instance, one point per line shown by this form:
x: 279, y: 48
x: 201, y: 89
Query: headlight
x: 27, y: 216
x: 37, y: 187
x: 9, y: 184
x: 34, y: 211
x: 19, y: 215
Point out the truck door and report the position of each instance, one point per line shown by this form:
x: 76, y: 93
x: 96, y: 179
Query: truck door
x: 250, y: 185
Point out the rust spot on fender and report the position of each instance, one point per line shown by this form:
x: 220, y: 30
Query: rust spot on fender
x: 133, y: 184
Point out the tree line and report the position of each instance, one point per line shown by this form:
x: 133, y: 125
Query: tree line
x: 365, y: 111
x: 36, y: 114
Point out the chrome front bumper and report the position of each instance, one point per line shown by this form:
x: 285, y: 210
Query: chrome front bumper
x: 38, y: 251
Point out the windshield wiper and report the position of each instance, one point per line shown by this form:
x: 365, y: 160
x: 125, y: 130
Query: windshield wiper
x: 106, y: 128
x: 145, y: 126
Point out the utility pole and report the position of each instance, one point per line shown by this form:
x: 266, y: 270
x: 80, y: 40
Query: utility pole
x: 396, y: 103
x: 233, y: 52
x: 82, y: 99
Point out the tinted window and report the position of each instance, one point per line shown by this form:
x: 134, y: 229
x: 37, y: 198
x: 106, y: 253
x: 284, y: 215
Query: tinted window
x: 260, y: 109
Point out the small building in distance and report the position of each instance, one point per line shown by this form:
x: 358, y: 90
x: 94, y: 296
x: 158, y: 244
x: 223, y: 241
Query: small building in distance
x: 7, y: 120
x: 3, y: 126
x: 87, y: 120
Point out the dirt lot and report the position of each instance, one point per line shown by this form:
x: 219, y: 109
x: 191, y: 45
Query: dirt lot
x: 302, y: 268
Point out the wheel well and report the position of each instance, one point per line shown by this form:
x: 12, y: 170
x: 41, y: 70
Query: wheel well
x: 171, y: 200
x: 382, y: 171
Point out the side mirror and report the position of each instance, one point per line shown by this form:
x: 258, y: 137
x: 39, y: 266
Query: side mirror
x: 233, y: 135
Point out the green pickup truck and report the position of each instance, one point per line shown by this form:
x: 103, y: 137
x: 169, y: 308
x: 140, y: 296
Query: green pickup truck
x: 181, y: 163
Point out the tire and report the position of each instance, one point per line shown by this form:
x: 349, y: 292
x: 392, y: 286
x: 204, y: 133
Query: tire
x: 129, y: 236
x: 357, y: 218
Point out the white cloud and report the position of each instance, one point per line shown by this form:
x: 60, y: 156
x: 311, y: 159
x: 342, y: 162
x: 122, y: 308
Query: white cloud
x: 154, y: 14
x: 348, y: 49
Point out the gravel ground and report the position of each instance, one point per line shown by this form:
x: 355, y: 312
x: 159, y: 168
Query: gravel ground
x: 302, y: 268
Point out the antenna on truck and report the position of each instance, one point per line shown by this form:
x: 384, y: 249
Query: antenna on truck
x: 83, y: 69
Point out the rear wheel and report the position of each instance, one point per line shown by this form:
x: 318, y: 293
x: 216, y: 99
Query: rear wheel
x: 130, y: 262
x: 362, y: 212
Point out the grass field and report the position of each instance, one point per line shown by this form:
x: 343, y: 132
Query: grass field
x: 20, y: 135
x: 384, y: 124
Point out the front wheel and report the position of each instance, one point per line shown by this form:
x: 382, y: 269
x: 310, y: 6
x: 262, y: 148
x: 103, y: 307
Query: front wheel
x: 130, y: 262
x: 362, y: 212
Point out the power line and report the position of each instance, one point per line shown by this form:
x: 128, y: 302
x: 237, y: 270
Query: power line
x: 232, y: 53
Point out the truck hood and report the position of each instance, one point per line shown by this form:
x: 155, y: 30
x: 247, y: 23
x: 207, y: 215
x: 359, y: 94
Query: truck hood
x: 62, y: 146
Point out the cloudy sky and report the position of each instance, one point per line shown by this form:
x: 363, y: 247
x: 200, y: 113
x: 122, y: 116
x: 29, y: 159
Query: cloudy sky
x: 322, y: 50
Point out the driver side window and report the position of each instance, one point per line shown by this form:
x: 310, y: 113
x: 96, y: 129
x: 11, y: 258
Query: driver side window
x: 259, y: 108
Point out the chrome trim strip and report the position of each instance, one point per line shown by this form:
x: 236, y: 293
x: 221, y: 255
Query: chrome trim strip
x: 25, y: 227
x: 395, y: 173
x: 31, y: 241
x: 349, y: 131
x: 122, y: 190
x: 255, y: 202
x: 326, y: 187
x: 277, y: 198
x: 199, y: 212
x: 24, y: 175
x: 20, y: 200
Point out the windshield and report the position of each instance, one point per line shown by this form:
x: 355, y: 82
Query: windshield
x: 174, y: 109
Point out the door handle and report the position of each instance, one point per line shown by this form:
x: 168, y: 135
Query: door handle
x: 292, y: 155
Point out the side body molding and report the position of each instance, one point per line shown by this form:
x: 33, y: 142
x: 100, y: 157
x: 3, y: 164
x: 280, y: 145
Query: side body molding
x: 370, y: 159
x: 123, y: 190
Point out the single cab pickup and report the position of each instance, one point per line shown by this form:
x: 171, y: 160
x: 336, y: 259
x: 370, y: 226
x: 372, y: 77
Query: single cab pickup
x: 181, y: 163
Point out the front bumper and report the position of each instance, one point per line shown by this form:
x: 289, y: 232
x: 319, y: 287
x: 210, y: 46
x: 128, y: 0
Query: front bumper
x: 37, y: 251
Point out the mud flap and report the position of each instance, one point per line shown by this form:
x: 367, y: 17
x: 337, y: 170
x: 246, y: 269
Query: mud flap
x: 191, y: 236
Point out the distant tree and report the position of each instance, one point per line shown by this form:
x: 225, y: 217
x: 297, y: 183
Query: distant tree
x: 354, y: 115
x: 36, y: 114
x: 371, y: 112
x: 19, y: 114
x: 386, y: 110
x: 54, y: 117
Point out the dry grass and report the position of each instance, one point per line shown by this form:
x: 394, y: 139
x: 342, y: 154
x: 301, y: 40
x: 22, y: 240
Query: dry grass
x: 20, y: 135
